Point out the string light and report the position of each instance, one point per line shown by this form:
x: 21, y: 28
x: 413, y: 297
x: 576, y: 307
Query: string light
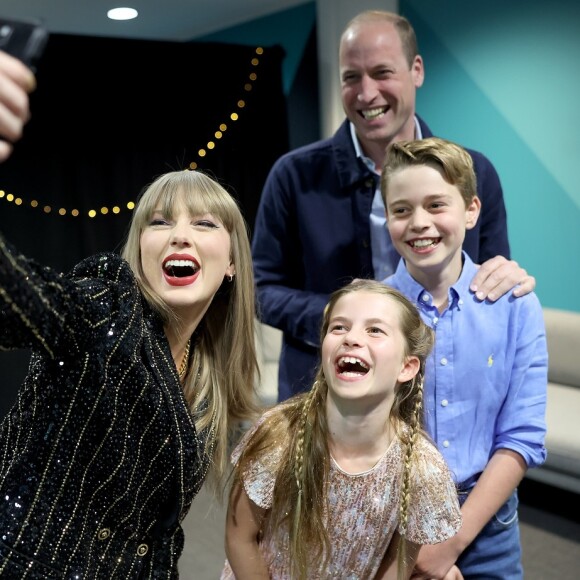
x: 130, y: 206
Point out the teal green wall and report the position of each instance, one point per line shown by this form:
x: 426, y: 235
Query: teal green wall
x: 503, y: 77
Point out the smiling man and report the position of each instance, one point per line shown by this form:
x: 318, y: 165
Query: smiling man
x: 321, y: 219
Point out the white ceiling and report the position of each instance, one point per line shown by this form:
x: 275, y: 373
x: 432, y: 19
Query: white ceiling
x: 157, y: 20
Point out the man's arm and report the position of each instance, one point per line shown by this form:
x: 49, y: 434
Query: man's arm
x: 277, y: 253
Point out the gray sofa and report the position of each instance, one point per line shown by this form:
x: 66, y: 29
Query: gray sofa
x: 268, y: 345
x: 562, y: 466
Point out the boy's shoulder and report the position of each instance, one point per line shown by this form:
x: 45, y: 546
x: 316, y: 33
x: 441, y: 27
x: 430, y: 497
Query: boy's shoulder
x: 462, y: 294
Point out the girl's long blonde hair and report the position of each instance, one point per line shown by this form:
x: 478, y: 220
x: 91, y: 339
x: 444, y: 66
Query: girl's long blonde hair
x: 220, y: 384
x: 300, y: 491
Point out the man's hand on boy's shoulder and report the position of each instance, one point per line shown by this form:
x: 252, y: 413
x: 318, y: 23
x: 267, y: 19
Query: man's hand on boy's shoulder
x: 498, y: 276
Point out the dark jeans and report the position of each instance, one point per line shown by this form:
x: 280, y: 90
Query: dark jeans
x: 496, y: 553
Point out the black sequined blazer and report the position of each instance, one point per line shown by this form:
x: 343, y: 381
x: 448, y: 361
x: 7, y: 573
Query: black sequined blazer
x: 99, y: 456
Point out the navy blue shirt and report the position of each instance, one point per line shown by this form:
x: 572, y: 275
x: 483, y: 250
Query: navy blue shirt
x: 312, y: 235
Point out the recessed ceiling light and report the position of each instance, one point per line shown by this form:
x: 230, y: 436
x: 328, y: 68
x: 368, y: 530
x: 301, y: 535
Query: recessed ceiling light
x: 122, y: 13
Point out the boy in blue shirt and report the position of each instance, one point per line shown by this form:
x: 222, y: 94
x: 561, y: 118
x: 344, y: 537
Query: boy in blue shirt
x: 486, y: 380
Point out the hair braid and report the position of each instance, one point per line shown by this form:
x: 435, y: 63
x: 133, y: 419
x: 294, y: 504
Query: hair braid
x: 414, y: 430
x: 299, y: 560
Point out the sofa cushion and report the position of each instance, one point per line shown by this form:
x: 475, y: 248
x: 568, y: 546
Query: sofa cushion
x: 563, y: 434
x: 563, y: 336
x: 562, y: 466
x: 563, y: 404
x: 268, y: 345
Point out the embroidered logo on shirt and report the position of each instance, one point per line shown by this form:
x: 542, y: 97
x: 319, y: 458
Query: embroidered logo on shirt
x: 490, y: 360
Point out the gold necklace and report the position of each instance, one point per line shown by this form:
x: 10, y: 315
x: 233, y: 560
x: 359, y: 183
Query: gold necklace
x: 185, y: 361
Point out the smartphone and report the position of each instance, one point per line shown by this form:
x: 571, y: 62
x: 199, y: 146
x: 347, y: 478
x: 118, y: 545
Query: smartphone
x: 24, y: 39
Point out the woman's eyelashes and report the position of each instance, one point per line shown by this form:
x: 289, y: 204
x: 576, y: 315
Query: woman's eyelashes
x: 203, y: 223
x: 158, y: 222
x: 206, y: 224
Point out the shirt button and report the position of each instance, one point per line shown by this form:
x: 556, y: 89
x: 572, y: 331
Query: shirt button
x: 443, y: 361
x: 445, y: 443
x: 425, y: 297
x: 435, y: 320
x: 460, y: 302
x: 365, y: 243
x: 444, y: 403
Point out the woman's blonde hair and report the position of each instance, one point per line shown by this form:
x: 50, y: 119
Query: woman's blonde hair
x: 300, y: 491
x: 220, y: 384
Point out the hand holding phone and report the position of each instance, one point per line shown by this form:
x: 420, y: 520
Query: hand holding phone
x: 23, y: 39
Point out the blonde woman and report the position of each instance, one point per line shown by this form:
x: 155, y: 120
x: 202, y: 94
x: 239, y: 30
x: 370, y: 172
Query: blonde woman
x: 341, y: 482
x: 142, y: 368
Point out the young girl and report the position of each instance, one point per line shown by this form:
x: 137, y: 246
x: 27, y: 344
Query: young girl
x: 327, y: 484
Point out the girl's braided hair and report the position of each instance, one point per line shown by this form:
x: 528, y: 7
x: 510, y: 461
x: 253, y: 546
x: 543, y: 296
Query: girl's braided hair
x: 300, y: 500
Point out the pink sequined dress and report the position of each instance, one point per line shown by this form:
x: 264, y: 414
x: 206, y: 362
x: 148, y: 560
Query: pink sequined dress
x: 363, y: 510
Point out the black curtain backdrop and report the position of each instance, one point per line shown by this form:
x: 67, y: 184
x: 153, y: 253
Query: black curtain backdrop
x: 103, y: 129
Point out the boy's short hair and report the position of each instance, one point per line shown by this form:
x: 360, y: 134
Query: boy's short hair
x: 454, y: 162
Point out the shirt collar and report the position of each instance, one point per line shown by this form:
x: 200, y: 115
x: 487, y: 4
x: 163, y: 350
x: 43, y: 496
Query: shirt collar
x: 418, y: 132
x: 358, y: 149
x: 458, y: 292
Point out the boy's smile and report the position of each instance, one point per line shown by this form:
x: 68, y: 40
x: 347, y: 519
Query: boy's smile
x: 427, y: 219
